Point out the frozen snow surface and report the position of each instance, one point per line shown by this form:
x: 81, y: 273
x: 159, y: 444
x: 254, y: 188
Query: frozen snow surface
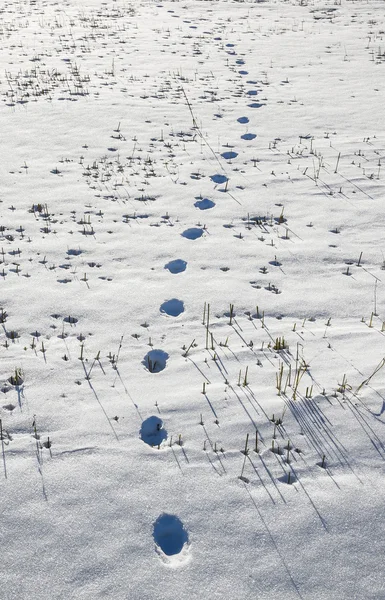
x: 192, y: 311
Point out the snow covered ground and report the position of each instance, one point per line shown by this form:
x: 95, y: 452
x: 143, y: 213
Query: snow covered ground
x: 192, y: 394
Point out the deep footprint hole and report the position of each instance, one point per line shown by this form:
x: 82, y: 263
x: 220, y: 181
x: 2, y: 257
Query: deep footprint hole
x: 169, y: 534
x: 152, y: 431
x: 173, y: 307
x: 193, y: 233
x: 176, y: 266
x: 218, y: 178
x: 204, y: 204
x: 155, y: 361
x: 229, y: 155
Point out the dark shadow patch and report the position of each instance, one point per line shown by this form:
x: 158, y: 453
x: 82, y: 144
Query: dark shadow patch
x: 193, y: 233
x: 70, y: 320
x: 176, y: 266
x: 229, y: 155
x: 169, y: 534
x: 155, y: 361
x: 173, y: 307
x: 218, y: 178
x: 152, y: 431
x: 204, y: 204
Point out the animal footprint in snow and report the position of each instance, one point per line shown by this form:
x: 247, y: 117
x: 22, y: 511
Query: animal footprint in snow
x: 171, y: 540
x: 176, y: 266
x: 152, y: 431
x: 248, y: 136
x: 218, y: 178
x: 155, y: 361
x: 229, y: 155
x: 204, y: 204
x: 173, y: 307
x: 193, y: 233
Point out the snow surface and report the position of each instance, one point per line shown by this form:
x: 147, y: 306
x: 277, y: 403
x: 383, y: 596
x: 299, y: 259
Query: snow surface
x: 192, y: 305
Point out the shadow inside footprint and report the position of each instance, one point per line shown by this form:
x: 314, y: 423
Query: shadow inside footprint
x: 176, y: 266
x: 193, y: 233
x: 173, y: 307
x: 204, y: 204
x: 169, y: 534
x: 229, y: 155
x: 155, y: 361
x: 248, y: 136
x: 218, y: 178
x: 152, y: 431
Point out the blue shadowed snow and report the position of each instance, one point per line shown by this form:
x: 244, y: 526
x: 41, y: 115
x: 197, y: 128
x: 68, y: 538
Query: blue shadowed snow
x: 176, y: 266
x: 229, y: 155
x: 204, y: 204
x: 173, y: 307
x: 169, y: 534
x: 155, y: 361
x: 193, y: 233
x: 218, y: 178
x: 152, y: 431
